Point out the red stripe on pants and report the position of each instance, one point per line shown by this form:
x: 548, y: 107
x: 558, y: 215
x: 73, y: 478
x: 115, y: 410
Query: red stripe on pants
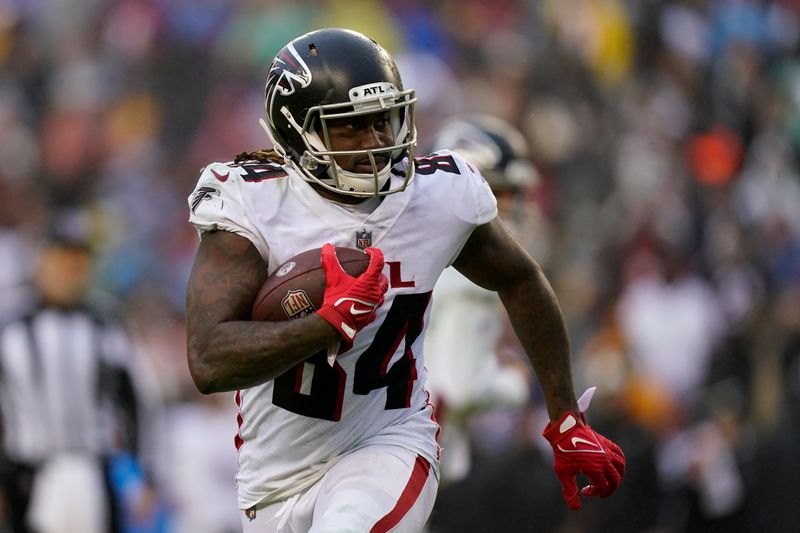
x: 419, y: 475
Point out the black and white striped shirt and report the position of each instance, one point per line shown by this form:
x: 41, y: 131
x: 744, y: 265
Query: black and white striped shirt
x: 66, y: 384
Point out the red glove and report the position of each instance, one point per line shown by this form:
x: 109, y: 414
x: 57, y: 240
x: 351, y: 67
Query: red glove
x: 579, y: 449
x: 350, y: 303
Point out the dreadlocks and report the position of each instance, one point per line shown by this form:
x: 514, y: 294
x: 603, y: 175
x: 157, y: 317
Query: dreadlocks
x: 262, y: 156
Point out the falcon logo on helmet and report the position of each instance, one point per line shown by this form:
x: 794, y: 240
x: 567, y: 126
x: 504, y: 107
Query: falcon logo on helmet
x: 287, y: 69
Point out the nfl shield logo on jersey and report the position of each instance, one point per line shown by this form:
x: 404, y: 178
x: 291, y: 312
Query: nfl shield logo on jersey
x: 363, y: 239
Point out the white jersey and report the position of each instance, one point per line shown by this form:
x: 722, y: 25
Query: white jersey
x: 294, y: 428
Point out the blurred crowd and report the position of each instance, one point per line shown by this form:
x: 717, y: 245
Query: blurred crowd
x: 665, y: 210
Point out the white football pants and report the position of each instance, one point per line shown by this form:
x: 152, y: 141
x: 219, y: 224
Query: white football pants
x: 374, y: 489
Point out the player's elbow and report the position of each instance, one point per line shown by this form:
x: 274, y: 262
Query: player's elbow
x: 202, y: 374
x: 204, y: 386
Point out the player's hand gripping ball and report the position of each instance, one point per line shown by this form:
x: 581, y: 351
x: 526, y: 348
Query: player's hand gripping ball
x: 297, y: 287
x: 350, y: 302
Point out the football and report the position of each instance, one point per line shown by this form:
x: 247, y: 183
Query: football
x: 297, y: 287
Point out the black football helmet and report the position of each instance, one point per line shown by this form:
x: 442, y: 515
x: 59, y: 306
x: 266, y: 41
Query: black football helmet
x: 331, y: 74
x: 495, y: 147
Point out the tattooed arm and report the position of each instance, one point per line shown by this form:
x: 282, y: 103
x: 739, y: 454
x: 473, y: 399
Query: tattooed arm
x: 227, y: 351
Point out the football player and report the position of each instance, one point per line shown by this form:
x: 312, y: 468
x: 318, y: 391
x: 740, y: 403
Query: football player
x: 348, y: 443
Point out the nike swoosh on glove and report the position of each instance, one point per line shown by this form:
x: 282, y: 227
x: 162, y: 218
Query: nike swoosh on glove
x: 349, y: 303
x: 578, y: 449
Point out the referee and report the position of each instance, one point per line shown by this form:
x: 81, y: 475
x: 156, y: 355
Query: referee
x: 67, y: 401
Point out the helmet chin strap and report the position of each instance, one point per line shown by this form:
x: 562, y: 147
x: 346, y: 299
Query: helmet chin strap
x: 349, y: 181
x: 359, y: 182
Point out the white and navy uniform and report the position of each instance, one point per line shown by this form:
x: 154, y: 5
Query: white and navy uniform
x: 296, y: 428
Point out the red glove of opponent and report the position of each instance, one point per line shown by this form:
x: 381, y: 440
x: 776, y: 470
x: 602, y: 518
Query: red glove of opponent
x: 350, y: 303
x: 579, y: 449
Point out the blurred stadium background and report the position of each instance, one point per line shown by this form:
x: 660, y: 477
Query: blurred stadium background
x: 666, y: 138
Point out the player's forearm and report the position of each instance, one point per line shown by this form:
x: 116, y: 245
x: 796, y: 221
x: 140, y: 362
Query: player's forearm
x: 243, y: 354
x: 537, y: 320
